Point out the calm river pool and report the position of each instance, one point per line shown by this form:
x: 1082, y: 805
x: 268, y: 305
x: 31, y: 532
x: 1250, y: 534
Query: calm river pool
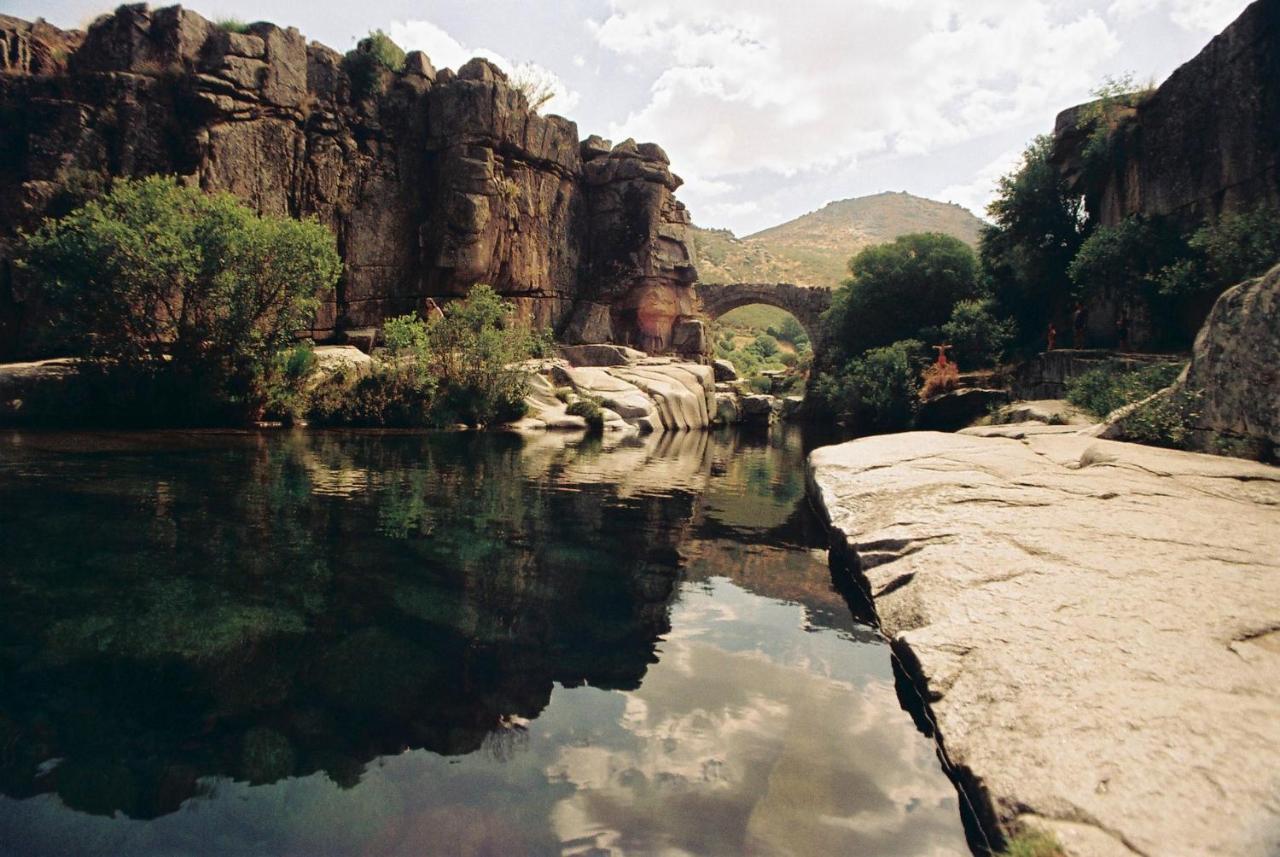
x: 322, y: 643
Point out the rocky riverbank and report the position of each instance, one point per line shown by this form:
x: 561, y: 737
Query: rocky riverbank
x: 1095, y: 627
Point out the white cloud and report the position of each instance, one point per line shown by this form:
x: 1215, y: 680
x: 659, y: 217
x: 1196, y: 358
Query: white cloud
x: 1208, y: 16
x: 976, y: 193
x: 447, y: 52
x: 754, y: 85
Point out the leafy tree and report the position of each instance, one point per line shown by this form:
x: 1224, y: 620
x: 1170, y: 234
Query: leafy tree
x: 901, y: 290
x: 977, y: 337
x: 162, y: 281
x: 1125, y: 260
x: 878, y: 391
x: 1223, y: 252
x: 765, y: 345
x: 1038, y: 227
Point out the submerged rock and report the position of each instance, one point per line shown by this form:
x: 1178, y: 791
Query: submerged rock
x: 1094, y: 624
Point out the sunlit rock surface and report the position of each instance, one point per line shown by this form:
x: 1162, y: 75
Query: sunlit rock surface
x: 1097, y: 625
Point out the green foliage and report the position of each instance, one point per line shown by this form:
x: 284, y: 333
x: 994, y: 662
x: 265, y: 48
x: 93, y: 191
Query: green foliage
x: 901, y: 290
x: 285, y: 387
x: 1114, y: 385
x: 372, y: 55
x: 1126, y: 260
x: 190, y: 295
x: 765, y: 345
x: 977, y: 337
x: 232, y: 25
x: 1032, y: 844
x: 1223, y: 252
x: 1037, y: 228
x: 459, y: 368
x: 1167, y: 420
x: 1102, y: 116
x: 790, y: 330
x: 589, y: 410
x: 877, y: 391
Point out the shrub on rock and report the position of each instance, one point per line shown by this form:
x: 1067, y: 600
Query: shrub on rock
x: 184, y: 297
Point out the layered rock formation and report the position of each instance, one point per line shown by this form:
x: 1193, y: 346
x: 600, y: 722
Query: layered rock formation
x: 1222, y: 105
x: 1098, y: 648
x: 432, y: 181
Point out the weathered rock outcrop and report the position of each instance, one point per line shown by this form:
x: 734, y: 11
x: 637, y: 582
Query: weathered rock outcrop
x: 1099, y: 649
x: 1222, y: 106
x: 1235, y: 368
x: 432, y: 181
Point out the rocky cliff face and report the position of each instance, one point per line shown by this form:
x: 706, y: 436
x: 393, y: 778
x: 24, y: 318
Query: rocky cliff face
x: 1221, y: 106
x: 432, y: 181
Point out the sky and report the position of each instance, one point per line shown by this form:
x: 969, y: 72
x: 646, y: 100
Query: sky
x: 771, y: 109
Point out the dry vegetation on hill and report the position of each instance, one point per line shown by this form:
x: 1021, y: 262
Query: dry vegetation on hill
x: 815, y: 249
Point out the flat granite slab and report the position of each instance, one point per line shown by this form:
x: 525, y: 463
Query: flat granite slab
x: 1097, y: 624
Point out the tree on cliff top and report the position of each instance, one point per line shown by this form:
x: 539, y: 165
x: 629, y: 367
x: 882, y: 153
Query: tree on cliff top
x: 162, y: 280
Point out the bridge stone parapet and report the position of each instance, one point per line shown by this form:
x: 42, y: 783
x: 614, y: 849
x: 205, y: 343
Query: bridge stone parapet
x: 806, y: 303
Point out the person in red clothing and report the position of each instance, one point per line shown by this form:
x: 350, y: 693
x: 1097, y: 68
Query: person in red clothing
x: 1051, y: 336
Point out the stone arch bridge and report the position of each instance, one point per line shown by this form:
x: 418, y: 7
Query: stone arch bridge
x: 806, y: 303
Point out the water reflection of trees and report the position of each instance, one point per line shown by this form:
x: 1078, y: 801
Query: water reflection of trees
x: 266, y: 607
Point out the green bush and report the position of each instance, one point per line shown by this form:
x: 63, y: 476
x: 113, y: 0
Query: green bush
x: 457, y: 369
x: 1125, y: 260
x: 1113, y: 385
x: 1223, y: 252
x: 1165, y: 420
x: 765, y: 345
x: 906, y: 289
x: 183, y: 298
x: 371, y: 56
x: 977, y: 337
x: 589, y: 410
x: 285, y: 389
x: 878, y: 391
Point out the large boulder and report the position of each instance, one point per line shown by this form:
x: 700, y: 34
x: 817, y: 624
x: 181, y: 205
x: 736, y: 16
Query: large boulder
x: 1093, y: 625
x: 1235, y: 368
x: 725, y: 371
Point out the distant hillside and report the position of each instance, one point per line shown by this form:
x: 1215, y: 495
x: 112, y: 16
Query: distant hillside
x: 814, y: 249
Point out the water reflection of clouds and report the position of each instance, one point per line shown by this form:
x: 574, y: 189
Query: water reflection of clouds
x: 734, y: 751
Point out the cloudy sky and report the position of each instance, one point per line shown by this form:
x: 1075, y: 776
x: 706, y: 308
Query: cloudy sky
x: 771, y: 109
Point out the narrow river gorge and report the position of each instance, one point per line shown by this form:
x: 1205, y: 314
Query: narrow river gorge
x: 379, y: 643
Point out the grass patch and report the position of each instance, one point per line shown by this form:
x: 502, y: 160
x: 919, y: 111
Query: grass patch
x: 1033, y: 843
x: 589, y: 411
x: 233, y: 25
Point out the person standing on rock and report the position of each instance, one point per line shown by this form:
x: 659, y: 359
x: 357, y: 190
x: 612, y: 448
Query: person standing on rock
x: 1051, y: 337
x: 1080, y: 322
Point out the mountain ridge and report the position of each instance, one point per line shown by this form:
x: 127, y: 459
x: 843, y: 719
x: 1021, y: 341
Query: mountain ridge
x: 814, y: 249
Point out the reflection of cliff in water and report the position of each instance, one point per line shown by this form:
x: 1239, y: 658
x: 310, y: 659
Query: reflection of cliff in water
x: 256, y: 607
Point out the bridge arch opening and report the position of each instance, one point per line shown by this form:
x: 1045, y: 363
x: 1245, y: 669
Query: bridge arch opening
x: 768, y: 346
x: 805, y: 304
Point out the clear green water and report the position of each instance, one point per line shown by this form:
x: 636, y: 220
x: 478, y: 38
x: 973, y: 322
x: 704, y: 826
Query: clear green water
x: 367, y: 644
